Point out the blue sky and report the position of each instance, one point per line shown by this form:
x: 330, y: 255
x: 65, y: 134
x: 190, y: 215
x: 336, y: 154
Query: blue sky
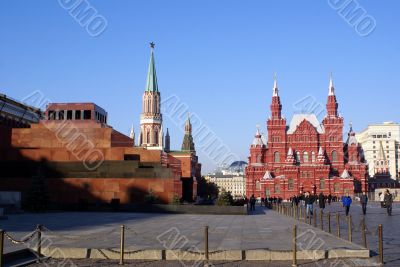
x: 218, y: 57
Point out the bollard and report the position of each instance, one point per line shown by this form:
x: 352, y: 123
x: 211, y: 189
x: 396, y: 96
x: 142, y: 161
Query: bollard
x: 321, y: 219
x: 206, y: 244
x: 380, y: 245
x: 39, y: 240
x: 122, y: 246
x: 350, y: 229
x: 301, y: 213
x: 315, y: 217
x: 1, y: 246
x: 338, y: 224
x: 363, y: 233
x: 329, y: 223
x: 294, y: 241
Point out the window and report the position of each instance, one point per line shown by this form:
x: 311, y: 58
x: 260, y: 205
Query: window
x: 305, y: 157
x: 298, y: 156
x: 277, y: 188
x: 61, y: 115
x: 313, y: 156
x: 87, y: 115
x: 276, y: 157
x: 336, y: 187
x: 148, y: 137
x: 52, y: 115
x: 156, y: 136
x: 258, y: 185
x: 290, y: 184
x: 77, y: 114
x: 267, y: 193
x: 69, y: 114
x: 334, y: 156
x: 322, y: 183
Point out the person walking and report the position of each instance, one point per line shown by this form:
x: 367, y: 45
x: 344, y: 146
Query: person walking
x: 309, y: 201
x: 382, y: 199
x: 321, y: 202
x: 347, y: 203
x: 388, y: 202
x: 364, y: 202
x: 252, y: 203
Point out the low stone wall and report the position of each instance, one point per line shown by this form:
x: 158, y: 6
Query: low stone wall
x: 187, y: 209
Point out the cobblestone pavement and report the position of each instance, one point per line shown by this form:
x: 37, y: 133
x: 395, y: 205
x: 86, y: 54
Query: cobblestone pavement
x: 375, y: 216
x: 265, y: 229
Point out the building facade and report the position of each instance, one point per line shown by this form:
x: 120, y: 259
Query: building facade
x: 85, y: 162
x: 306, y: 155
x: 231, y: 179
x: 381, y: 146
x: 236, y: 184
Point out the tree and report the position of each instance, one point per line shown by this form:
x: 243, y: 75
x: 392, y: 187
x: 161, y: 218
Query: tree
x: 225, y: 198
x: 207, y: 189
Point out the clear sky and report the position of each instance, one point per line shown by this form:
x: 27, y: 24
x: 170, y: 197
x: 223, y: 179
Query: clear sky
x: 217, y: 57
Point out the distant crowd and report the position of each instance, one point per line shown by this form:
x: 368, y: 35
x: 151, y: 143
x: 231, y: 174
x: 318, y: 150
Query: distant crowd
x: 307, y: 200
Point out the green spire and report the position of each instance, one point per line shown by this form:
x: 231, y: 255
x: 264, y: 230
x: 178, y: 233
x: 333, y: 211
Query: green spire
x: 152, y: 85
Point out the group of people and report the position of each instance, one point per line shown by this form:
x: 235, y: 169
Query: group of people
x: 309, y: 199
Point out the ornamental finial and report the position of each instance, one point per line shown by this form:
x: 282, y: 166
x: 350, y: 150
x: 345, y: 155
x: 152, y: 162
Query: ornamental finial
x: 152, y: 45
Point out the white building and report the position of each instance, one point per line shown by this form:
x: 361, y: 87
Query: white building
x: 380, y: 143
x: 232, y: 183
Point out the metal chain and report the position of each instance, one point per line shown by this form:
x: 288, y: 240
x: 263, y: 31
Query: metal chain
x: 23, y: 241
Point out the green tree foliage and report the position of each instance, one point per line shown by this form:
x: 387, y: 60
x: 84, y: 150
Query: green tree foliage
x: 225, y: 198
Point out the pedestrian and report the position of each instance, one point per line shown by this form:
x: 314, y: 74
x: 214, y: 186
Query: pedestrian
x: 346, y: 200
x: 262, y: 201
x: 329, y: 199
x: 252, y: 203
x: 309, y: 201
x: 388, y: 202
x: 364, y: 202
x: 321, y: 202
x: 382, y: 199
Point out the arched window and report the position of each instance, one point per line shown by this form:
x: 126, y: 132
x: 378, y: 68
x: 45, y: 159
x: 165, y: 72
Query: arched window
x: 322, y: 183
x: 305, y: 157
x: 156, y: 136
x: 336, y: 187
x: 277, y: 188
x: 276, y: 157
x: 313, y: 156
x: 258, y: 185
x: 258, y: 158
x: 334, y: 156
x: 148, y: 137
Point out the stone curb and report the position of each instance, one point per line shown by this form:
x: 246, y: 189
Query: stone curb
x: 223, y: 255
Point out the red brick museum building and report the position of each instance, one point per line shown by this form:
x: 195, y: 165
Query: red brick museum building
x: 305, y: 156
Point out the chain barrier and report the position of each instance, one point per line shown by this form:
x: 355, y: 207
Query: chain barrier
x: 19, y: 242
x: 343, y: 220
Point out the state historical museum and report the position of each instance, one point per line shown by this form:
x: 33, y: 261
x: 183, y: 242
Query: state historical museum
x: 305, y: 156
